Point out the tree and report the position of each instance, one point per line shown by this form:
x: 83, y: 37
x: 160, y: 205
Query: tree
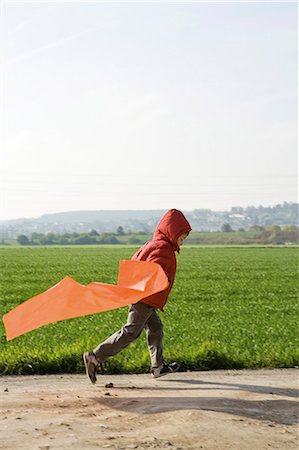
x: 226, y: 228
x: 85, y: 239
x: 36, y: 237
x: 274, y: 228
x: 108, y: 239
x: 48, y: 239
x: 23, y: 240
x: 290, y: 228
x: 120, y: 231
x: 93, y: 233
x: 66, y: 235
x: 62, y: 240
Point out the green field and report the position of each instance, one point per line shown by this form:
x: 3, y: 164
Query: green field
x: 229, y: 308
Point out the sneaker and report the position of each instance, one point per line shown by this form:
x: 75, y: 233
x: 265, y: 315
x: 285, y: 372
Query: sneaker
x: 164, y: 369
x: 91, y: 364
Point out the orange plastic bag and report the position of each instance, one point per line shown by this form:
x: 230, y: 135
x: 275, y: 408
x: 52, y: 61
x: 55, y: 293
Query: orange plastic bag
x: 68, y: 299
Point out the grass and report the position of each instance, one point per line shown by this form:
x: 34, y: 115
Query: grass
x: 229, y: 308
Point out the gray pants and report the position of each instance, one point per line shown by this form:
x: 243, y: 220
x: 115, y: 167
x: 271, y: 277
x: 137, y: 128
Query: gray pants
x: 140, y: 316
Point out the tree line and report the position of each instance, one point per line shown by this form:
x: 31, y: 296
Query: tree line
x: 90, y: 238
x: 258, y: 234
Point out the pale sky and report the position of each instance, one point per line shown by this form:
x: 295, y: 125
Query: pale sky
x: 133, y: 105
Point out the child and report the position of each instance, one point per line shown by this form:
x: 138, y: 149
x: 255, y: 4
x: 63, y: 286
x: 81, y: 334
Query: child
x: 172, y: 229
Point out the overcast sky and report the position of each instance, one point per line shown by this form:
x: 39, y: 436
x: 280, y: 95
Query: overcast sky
x: 147, y: 105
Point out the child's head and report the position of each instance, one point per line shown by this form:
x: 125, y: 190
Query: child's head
x: 174, y: 226
x: 181, y: 239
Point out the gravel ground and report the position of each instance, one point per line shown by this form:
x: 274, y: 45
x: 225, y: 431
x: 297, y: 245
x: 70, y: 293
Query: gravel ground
x: 234, y: 410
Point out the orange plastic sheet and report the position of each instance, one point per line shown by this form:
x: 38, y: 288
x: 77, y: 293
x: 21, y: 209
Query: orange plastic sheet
x: 68, y: 299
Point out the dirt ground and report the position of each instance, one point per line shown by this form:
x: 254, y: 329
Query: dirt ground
x: 235, y: 410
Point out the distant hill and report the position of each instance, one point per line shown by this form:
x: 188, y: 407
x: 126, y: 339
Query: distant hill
x: 91, y: 216
x: 146, y: 220
x: 102, y: 216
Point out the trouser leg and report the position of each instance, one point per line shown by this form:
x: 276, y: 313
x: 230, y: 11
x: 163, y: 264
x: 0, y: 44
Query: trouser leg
x: 154, y: 335
x: 137, y: 317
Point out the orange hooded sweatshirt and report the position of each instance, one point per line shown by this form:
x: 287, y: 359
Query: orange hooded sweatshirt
x: 161, y: 249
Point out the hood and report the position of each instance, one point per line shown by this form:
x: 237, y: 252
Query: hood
x: 171, y: 226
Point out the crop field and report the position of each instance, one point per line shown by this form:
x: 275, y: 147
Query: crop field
x: 229, y: 308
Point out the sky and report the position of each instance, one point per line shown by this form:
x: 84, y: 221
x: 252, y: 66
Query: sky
x: 147, y: 105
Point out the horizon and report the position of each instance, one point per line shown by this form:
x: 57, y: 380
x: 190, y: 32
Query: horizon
x: 146, y: 209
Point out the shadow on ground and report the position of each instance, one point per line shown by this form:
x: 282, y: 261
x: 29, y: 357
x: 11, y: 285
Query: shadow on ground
x: 277, y: 411
x: 238, y: 386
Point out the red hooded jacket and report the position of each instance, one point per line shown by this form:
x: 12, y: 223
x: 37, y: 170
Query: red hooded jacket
x: 161, y: 249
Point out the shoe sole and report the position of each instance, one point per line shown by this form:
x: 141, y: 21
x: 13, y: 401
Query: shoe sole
x: 166, y: 373
x: 93, y: 380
